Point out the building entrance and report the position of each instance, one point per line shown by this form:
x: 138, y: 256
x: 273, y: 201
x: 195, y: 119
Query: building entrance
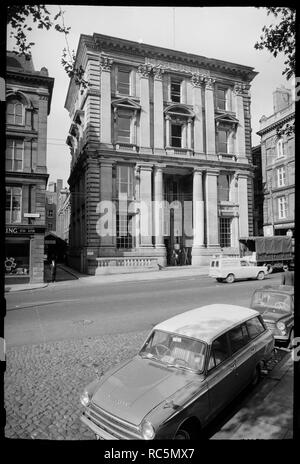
x: 178, y: 220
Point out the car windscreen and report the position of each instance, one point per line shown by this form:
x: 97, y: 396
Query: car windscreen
x: 176, y: 350
x: 273, y: 300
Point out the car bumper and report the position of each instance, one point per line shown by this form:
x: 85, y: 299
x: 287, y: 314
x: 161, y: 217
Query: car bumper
x: 100, y: 434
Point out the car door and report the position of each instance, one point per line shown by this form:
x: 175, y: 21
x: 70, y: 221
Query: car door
x: 220, y: 375
x: 243, y: 351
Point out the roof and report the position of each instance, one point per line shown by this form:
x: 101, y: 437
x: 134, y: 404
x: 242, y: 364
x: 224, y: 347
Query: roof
x: 207, y: 322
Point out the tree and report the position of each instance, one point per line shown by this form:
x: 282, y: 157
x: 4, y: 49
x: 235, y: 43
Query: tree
x: 281, y: 38
x: 17, y: 18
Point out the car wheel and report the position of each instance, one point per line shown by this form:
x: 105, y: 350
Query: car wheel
x: 260, y: 275
x: 290, y: 344
x: 182, y: 434
x: 219, y: 279
x: 256, y: 376
x: 230, y: 278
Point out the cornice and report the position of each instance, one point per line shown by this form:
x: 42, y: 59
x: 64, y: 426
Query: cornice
x: 275, y: 124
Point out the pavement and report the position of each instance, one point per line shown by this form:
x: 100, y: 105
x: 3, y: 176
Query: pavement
x: 66, y: 275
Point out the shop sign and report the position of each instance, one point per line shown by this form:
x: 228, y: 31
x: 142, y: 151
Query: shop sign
x: 32, y: 215
x: 23, y: 230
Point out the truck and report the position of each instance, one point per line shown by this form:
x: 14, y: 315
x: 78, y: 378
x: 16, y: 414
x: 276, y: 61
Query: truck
x: 273, y: 252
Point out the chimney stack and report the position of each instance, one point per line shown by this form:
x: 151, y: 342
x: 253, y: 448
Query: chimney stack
x: 282, y: 98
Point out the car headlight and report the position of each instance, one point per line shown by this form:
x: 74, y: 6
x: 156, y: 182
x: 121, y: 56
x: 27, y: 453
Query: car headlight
x: 147, y: 430
x: 85, y: 398
x: 281, y: 326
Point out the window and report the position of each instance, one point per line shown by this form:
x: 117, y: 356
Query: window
x: 14, y: 155
x: 50, y: 213
x: 15, y: 112
x: 223, y: 187
x: 281, y: 176
x: 125, y: 181
x: 279, y: 148
x: 13, y: 205
x: 222, y: 141
x: 238, y: 338
x: 175, y: 90
x: 124, y: 237
x: 225, y: 232
x: 123, y: 85
x: 50, y: 226
x: 282, y: 207
x: 255, y: 327
x: 219, y: 351
x: 124, y: 126
x: 221, y: 98
x: 176, y: 135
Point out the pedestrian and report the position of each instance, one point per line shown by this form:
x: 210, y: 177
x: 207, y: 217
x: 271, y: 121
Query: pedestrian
x: 287, y: 277
x: 53, y: 269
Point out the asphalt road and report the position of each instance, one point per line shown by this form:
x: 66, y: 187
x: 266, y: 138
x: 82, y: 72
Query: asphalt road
x: 78, y: 311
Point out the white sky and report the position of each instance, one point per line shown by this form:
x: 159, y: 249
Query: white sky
x: 226, y: 33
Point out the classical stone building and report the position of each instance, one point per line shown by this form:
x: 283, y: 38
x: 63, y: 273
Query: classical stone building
x: 165, y: 137
x: 278, y: 166
x: 63, y: 214
x: 28, y: 97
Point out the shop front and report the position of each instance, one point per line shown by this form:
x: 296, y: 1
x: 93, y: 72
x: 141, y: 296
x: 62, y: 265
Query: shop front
x: 24, y: 255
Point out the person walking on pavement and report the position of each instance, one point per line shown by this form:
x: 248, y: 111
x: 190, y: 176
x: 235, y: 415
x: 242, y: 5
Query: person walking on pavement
x: 287, y: 277
x: 53, y: 268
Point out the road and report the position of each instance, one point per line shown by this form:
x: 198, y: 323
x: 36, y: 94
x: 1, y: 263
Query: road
x: 60, y: 312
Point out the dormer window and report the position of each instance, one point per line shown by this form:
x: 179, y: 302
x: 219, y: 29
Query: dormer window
x: 175, y: 92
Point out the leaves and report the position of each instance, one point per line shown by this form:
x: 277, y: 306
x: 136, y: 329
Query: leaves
x: 280, y: 38
x: 17, y: 18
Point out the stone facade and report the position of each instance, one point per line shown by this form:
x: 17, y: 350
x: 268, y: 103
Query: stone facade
x: 278, y: 166
x: 28, y: 99
x: 165, y: 137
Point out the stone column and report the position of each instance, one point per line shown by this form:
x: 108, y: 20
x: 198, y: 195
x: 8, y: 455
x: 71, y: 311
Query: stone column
x: 212, y: 218
x: 105, y: 101
x: 240, y: 132
x: 243, y: 204
x: 198, y: 218
x: 158, y: 109
x: 107, y: 208
x: 235, y: 219
x: 145, y: 205
x: 197, y: 80
x: 210, y: 117
x: 144, y: 71
x: 158, y: 210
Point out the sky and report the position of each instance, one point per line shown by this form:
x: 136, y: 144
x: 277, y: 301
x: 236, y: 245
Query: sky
x: 225, y: 33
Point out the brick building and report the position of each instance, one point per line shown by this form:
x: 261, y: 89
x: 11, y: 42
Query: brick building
x: 28, y: 97
x: 278, y: 166
x: 165, y: 137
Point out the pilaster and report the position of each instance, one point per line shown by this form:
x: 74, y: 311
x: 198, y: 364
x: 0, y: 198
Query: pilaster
x: 212, y: 222
x: 158, y: 109
x: 197, y: 81
x: 105, y: 102
x: 210, y: 116
x: 144, y: 72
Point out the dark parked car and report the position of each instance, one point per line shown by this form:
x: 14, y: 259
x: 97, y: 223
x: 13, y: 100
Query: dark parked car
x: 189, y: 368
x: 276, y: 305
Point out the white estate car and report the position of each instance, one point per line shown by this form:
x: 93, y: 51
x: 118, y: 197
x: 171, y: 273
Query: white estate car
x: 231, y: 269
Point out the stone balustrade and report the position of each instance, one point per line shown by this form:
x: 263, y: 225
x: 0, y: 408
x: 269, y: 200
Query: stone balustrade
x: 117, y: 265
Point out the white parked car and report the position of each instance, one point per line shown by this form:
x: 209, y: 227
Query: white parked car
x: 230, y: 269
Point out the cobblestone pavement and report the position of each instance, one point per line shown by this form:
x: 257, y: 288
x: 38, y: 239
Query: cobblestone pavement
x: 43, y: 383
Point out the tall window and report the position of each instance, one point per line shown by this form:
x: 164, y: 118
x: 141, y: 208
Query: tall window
x: 223, y: 187
x: 125, y: 181
x: 124, y: 238
x: 176, y: 135
x: 282, y: 207
x: 222, y: 141
x: 123, y: 84
x: 281, y: 176
x: 279, y: 148
x: 221, y: 98
x: 14, y: 155
x: 124, y: 127
x: 15, y: 112
x: 175, y: 90
x: 13, y: 205
x: 225, y: 232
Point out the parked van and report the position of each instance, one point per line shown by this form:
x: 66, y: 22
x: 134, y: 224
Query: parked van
x: 227, y: 269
